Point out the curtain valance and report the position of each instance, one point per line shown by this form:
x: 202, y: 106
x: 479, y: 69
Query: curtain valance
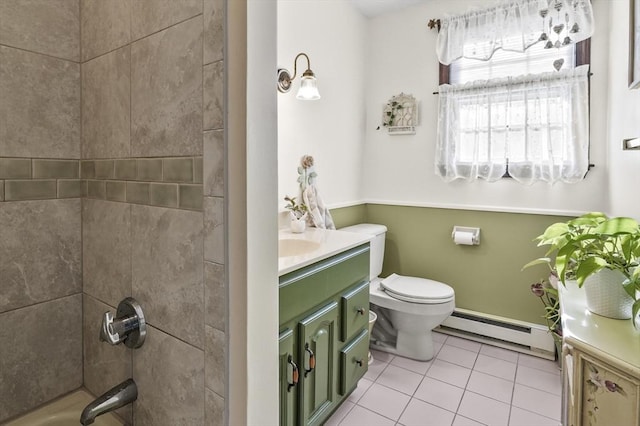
x: 477, y: 34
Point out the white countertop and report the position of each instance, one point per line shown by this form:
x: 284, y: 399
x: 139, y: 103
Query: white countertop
x: 616, y: 338
x: 330, y: 242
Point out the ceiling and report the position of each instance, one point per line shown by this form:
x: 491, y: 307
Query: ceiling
x: 371, y: 8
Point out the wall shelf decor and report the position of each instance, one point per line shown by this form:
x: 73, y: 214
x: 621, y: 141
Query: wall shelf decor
x: 400, y: 115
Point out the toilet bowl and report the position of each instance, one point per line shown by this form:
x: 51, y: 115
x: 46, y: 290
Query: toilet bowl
x: 408, y: 308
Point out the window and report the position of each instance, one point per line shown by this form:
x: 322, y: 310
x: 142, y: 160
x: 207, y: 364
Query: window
x: 523, y: 111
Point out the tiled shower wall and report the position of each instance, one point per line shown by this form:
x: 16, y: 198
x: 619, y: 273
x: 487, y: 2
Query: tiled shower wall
x: 40, y: 240
x: 151, y: 177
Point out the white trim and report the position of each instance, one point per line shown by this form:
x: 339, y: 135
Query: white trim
x: 498, y: 209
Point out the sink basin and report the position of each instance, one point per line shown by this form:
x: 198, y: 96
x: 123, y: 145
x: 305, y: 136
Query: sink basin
x: 293, y: 247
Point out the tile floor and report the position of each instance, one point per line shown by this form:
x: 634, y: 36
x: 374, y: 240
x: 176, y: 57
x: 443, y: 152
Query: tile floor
x: 466, y: 384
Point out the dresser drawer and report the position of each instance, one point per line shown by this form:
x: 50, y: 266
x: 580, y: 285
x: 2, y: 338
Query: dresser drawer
x: 353, y: 361
x: 354, y: 307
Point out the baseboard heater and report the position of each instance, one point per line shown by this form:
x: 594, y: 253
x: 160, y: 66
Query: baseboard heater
x: 503, y: 332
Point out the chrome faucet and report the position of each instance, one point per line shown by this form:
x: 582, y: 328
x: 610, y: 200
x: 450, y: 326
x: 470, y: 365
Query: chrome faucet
x: 116, y: 397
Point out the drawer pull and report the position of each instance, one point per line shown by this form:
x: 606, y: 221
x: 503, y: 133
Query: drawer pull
x: 312, y: 360
x: 360, y: 311
x: 359, y: 362
x: 294, y: 373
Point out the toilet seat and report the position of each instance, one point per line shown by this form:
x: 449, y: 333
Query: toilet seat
x: 416, y: 290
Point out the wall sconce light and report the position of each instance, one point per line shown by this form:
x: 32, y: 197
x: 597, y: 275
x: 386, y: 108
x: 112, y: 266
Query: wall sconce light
x: 308, y: 84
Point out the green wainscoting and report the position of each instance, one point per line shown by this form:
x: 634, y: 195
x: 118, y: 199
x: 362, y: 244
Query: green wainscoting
x: 486, y: 278
x: 347, y: 216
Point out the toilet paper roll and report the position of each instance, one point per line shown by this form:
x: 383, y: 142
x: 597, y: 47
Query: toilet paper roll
x: 463, y: 238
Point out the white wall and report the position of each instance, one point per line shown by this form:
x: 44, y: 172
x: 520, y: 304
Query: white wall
x: 399, y: 169
x: 624, y: 118
x: 332, y: 33
x: 396, y: 53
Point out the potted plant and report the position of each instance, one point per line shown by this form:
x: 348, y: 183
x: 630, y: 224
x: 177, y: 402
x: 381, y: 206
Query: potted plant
x: 600, y: 253
x: 298, y: 214
x: 547, y: 291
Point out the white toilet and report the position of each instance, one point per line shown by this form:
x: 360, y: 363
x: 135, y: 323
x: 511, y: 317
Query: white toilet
x: 408, y: 308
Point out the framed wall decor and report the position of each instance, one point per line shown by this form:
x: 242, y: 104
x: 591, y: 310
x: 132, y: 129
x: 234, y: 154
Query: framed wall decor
x: 634, y: 44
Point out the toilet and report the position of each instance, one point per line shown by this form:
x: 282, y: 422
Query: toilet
x: 408, y: 308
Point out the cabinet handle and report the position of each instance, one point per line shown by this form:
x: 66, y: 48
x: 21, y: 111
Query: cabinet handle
x: 359, y: 362
x: 294, y: 374
x: 312, y: 360
x: 360, y: 311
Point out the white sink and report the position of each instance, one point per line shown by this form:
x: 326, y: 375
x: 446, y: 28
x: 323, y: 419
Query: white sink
x: 295, y: 247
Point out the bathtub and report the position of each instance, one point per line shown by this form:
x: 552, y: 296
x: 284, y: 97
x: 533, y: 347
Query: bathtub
x: 64, y: 412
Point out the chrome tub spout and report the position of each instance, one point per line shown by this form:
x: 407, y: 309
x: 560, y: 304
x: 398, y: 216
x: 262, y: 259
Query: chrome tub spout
x: 116, y: 397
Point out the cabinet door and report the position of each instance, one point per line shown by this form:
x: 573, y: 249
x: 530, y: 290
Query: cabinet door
x: 317, y: 337
x: 289, y: 376
x: 607, y: 395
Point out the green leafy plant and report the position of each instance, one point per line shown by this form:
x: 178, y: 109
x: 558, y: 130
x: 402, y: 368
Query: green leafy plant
x: 590, y: 243
x: 391, y: 112
x: 298, y: 210
x: 547, y: 291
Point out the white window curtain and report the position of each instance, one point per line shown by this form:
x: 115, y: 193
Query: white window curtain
x: 536, y: 127
x: 478, y: 34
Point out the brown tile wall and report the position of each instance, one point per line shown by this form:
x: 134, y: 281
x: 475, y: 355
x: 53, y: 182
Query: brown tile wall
x: 128, y: 123
x: 152, y: 146
x: 40, y: 228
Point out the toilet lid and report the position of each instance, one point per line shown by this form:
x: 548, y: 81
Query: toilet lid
x: 416, y: 290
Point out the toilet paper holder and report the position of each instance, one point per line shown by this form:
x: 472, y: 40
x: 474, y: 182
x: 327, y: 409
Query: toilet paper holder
x: 466, y: 235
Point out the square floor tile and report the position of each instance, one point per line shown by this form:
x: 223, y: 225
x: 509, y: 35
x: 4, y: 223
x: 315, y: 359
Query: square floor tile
x: 539, y: 379
x: 463, y: 421
x: 419, y: 367
x: 359, y: 416
x: 538, y: 363
x: 439, y: 393
x: 496, y: 367
x: 484, y: 410
x: 459, y: 356
x: 363, y: 385
x: 490, y: 386
x: 381, y: 356
x: 400, y: 379
x: 449, y: 373
x: 339, y: 414
x: 459, y: 342
x: 439, y: 337
x: 384, y: 401
x: 419, y: 413
x: 520, y: 417
x: 374, y: 370
x: 537, y: 401
x: 501, y: 353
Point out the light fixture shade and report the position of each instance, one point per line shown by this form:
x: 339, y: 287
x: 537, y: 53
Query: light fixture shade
x: 308, y: 88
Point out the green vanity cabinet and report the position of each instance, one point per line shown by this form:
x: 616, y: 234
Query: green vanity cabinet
x: 324, y: 311
x: 318, y: 343
x: 289, y: 377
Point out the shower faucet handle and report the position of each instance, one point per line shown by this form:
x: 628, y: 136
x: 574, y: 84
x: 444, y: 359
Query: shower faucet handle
x: 128, y: 327
x: 106, y: 332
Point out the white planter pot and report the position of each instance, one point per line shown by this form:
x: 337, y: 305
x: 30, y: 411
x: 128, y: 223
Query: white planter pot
x: 606, y: 296
x: 298, y: 225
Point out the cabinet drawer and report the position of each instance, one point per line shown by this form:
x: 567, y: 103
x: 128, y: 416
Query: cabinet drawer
x: 355, y: 311
x: 353, y: 361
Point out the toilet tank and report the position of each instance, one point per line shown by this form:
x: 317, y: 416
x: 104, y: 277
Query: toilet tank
x: 377, y: 244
